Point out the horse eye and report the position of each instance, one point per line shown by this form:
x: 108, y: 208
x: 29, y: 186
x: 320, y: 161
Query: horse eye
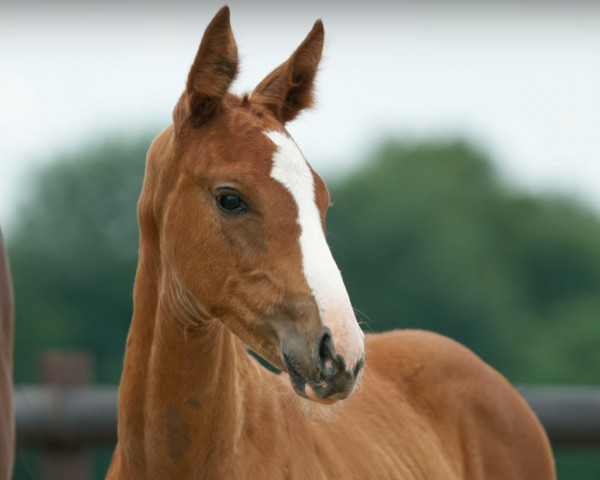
x: 230, y: 203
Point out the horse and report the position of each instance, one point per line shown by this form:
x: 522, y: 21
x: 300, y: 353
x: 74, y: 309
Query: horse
x: 7, y: 419
x: 232, y: 258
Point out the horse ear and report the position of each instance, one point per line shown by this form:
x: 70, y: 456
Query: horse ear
x: 289, y: 88
x: 213, y: 70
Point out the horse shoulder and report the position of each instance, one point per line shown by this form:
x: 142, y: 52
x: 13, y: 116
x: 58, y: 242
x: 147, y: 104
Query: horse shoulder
x: 488, y: 429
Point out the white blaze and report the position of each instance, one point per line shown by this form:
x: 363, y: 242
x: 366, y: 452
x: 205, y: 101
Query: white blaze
x: 320, y: 270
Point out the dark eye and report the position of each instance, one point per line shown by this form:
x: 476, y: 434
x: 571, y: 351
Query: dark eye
x: 231, y: 203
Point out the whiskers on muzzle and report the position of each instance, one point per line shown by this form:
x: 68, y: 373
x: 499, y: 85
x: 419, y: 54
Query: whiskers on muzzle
x: 316, y: 371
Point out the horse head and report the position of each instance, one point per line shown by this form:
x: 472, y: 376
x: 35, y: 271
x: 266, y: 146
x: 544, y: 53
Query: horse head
x: 239, y: 217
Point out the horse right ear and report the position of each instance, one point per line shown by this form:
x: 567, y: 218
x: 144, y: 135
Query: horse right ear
x: 288, y: 89
x: 212, y: 72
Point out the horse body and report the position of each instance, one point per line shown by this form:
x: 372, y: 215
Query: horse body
x: 232, y: 255
x: 427, y: 409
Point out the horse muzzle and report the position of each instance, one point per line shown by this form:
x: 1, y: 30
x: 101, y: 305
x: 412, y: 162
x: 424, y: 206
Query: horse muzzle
x: 316, y: 371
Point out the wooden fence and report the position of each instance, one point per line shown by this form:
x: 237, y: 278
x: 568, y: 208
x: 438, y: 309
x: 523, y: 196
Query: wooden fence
x: 87, y: 415
x: 66, y: 414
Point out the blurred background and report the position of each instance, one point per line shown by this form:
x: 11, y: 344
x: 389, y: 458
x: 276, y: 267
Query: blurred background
x: 459, y: 141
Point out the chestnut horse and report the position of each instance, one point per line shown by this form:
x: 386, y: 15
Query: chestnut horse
x: 233, y: 256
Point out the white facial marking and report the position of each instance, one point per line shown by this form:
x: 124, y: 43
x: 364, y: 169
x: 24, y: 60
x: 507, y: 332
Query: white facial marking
x: 320, y: 270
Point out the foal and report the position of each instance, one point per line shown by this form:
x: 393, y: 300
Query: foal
x: 233, y: 256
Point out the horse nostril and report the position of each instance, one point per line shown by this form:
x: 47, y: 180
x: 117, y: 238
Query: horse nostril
x: 327, y: 353
x: 359, y: 366
x: 332, y: 379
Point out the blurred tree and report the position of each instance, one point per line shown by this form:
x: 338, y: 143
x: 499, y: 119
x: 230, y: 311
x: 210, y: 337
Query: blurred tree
x: 74, y: 254
x: 428, y: 237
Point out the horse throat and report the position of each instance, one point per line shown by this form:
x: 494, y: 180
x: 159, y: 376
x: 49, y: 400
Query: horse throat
x: 183, y: 385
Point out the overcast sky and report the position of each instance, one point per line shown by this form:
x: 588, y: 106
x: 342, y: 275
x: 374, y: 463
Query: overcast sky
x: 521, y: 80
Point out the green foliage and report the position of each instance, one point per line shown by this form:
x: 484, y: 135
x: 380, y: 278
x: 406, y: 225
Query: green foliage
x: 427, y: 237
x: 425, y: 234
x: 74, y: 254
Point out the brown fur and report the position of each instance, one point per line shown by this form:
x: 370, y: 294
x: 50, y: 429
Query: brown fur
x: 193, y: 404
x: 7, y: 421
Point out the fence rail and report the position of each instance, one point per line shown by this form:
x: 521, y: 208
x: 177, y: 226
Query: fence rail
x: 570, y: 415
x: 87, y: 415
x: 65, y: 416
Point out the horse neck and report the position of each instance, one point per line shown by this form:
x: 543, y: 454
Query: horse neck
x: 181, y: 384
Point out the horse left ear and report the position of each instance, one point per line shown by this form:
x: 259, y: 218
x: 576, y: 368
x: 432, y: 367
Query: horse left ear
x: 212, y: 72
x: 289, y: 88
